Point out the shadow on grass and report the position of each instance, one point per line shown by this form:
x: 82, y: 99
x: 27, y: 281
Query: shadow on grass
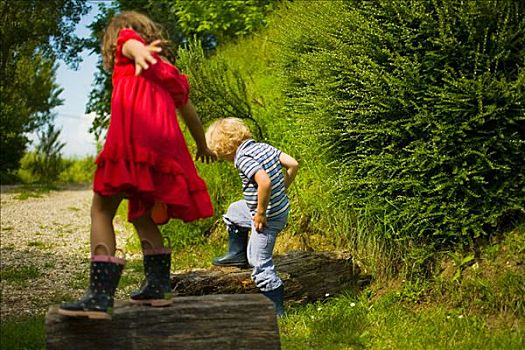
x: 26, y: 333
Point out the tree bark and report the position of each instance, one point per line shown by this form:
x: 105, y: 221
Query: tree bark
x: 233, y: 322
x: 307, y: 276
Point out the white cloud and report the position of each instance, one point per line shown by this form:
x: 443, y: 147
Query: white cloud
x: 75, y: 133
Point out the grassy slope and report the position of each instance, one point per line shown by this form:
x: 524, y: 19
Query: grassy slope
x: 483, y: 308
x: 469, y: 303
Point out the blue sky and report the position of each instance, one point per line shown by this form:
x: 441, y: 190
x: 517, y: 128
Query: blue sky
x: 71, y: 116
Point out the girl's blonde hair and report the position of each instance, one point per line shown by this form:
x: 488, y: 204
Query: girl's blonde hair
x: 225, y: 135
x: 142, y: 24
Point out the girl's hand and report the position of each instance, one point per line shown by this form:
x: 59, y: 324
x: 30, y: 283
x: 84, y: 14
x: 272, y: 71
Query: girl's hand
x: 260, y: 221
x: 205, y: 155
x: 145, y: 56
x: 141, y: 54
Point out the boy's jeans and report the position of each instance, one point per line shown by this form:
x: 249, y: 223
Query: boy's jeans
x: 238, y: 214
x: 260, y: 250
x: 260, y: 245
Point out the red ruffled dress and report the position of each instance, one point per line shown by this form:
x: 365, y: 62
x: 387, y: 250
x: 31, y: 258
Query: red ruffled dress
x: 145, y: 155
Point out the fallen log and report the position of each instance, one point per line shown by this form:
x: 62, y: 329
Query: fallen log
x: 194, y: 323
x: 307, y: 276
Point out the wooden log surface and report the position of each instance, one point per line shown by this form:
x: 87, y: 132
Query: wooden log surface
x: 215, y: 322
x: 307, y: 276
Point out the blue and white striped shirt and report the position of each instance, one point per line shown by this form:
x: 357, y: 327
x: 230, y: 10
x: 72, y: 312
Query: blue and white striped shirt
x: 251, y: 157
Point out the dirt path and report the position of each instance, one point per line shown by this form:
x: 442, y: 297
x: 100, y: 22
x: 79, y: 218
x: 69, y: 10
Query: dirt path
x: 44, y: 249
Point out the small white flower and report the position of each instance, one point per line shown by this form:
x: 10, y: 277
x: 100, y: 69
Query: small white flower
x: 327, y: 295
x: 352, y: 304
x: 319, y: 308
x: 460, y: 316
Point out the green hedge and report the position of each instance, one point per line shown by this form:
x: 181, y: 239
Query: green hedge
x: 419, y: 106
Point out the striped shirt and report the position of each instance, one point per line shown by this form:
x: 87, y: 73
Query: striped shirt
x: 251, y: 157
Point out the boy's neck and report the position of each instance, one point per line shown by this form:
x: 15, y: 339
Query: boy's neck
x: 230, y: 157
x: 239, y: 147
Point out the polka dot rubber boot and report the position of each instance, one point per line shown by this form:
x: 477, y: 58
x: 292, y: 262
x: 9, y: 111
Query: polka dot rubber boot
x: 156, y: 289
x: 97, y: 302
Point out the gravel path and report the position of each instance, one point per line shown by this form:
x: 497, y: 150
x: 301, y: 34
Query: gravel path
x: 44, y: 249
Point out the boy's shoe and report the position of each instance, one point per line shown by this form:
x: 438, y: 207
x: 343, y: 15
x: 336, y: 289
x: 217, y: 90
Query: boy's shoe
x: 156, y: 288
x: 277, y: 297
x: 97, y: 302
x: 237, y: 245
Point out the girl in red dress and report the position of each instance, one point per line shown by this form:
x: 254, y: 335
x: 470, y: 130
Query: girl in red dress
x: 145, y: 159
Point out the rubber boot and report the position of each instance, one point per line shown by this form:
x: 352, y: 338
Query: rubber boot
x: 277, y: 297
x: 156, y: 289
x: 97, y: 302
x: 237, y: 245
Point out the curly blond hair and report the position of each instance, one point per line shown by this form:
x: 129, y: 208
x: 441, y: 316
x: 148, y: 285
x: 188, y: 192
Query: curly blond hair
x: 140, y: 23
x: 225, y: 135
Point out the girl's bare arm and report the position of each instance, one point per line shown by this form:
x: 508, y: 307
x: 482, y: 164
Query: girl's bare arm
x: 192, y: 120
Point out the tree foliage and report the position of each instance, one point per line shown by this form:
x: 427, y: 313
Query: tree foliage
x: 210, y: 22
x: 218, y: 88
x: 420, y: 105
x: 219, y: 21
x: 34, y: 35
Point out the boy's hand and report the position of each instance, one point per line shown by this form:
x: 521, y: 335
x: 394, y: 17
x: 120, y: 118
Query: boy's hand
x: 259, y: 221
x: 205, y: 155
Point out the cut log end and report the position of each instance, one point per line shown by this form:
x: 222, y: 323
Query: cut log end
x: 194, y: 323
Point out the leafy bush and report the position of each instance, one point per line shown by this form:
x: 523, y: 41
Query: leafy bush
x: 217, y: 87
x: 78, y: 170
x: 47, y: 163
x: 418, y: 106
x: 72, y: 170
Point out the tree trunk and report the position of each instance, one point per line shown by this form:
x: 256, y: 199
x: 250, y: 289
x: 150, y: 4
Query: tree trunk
x: 307, y: 276
x: 233, y: 322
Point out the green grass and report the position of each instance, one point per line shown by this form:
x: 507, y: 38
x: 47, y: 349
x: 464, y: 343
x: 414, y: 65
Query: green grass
x: 33, y: 191
x: 19, y: 274
x: 40, y: 244
x: 197, y: 256
x: 23, y: 334
x: 132, y: 276
x: 348, y: 322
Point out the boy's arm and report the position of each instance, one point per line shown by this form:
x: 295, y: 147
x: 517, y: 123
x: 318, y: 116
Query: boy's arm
x: 264, y: 190
x: 193, y: 122
x: 291, y: 166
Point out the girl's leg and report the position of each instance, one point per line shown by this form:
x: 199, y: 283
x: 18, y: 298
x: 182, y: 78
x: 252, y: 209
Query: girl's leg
x: 148, y: 232
x: 103, y: 209
x: 106, y: 269
x: 156, y: 289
